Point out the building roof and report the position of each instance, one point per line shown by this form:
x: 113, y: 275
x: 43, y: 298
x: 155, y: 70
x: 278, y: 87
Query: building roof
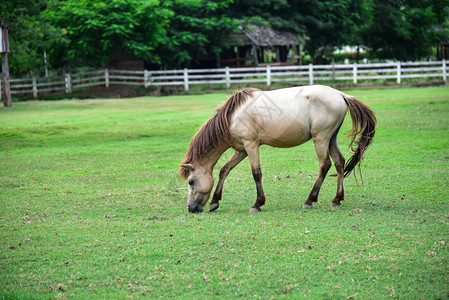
x: 264, y: 37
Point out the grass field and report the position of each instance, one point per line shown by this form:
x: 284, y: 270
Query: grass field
x: 92, y: 207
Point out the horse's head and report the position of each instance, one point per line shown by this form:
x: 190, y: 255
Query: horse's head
x: 201, y: 183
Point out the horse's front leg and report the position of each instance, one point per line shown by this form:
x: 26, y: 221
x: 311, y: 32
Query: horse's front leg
x: 236, y: 158
x: 252, y: 148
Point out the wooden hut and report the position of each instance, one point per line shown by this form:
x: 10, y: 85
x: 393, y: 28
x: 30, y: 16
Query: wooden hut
x: 258, y: 46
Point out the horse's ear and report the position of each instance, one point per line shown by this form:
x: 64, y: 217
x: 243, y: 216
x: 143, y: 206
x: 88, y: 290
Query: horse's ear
x: 189, y: 167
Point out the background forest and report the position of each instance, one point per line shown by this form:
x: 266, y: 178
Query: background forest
x: 174, y: 33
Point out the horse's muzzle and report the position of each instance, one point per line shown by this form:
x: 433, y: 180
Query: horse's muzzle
x: 195, y: 208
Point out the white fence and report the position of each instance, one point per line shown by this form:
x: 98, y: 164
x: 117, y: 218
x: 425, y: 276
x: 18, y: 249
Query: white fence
x: 398, y: 72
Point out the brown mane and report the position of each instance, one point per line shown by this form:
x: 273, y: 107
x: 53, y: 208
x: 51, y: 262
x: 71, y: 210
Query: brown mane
x: 215, y: 130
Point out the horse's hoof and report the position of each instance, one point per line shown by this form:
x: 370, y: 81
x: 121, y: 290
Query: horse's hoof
x: 213, y: 206
x: 307, y: 206
x: 253, y: 209
x: 335, y: 204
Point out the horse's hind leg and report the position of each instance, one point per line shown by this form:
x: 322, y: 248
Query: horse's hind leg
x: 339, y: 162
x: 322, y: 152
x: 236, y: 158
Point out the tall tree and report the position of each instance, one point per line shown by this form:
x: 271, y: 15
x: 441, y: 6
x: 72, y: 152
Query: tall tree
x: 403, y: 29
x: 197, y: 27
x: 176, y: 33
x: 331, y: 24
x: 281, y: 14
x: 29, y: 34
x: 97, y: 29
x: 323, y: 24
x: 162, y: 33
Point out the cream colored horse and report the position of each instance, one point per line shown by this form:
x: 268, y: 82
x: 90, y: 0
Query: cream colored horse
x: 280, y: 118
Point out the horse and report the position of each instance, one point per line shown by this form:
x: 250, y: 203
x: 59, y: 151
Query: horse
x: 280, y: 118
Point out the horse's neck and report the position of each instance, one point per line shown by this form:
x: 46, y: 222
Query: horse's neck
x: 211, y: 159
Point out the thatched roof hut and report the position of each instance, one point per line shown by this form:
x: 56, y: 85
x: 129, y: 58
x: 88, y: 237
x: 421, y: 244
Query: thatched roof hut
x: 264, y: 37
x: 259, y: 40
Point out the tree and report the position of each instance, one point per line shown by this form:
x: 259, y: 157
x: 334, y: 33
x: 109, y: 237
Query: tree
x: 163, y: 34
x: 331, y: 24
x: 177, y: 33
x: 324, y: 25
x: 280, y: 14
x: 361, y: 12
x: 402, y: 29
x: 97, y: 29
x: 197, y: 27
x: 29, y: 34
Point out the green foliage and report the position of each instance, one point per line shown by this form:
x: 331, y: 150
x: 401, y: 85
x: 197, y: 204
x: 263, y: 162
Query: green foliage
x: 406, y: 30
x: 324, y: 25
x: 333, y: 24
x: 278, y: 14
x: 198, y: 27
x: 175, y: 33
x: 167, y: 33
x: 98, y: 29
x: 29, y: 34
x: 91, y: 207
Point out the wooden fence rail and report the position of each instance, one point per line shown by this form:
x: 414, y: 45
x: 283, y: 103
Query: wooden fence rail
x: 398, y: 72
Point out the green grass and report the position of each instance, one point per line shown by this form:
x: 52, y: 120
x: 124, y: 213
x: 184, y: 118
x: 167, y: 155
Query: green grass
x: 91, y: 206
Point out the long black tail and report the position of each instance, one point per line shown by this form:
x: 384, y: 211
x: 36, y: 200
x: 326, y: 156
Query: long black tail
x: 362, y: 133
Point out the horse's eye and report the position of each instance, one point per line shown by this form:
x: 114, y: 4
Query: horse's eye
x: 191, y: 182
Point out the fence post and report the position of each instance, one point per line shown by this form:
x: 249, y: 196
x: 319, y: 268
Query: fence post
x: 268, y: 75
x: 333, y: 71
x: 354, y: 73
x: 228, y: 77
x: 444, y: 70
x: 106, y: 78
x: 310, y: 74
x: 186, y: 79
x: 68, y: 83
x: 7, y: 101
x: 146, y: 82
x: 34, y: 87
x: 398, y: 75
